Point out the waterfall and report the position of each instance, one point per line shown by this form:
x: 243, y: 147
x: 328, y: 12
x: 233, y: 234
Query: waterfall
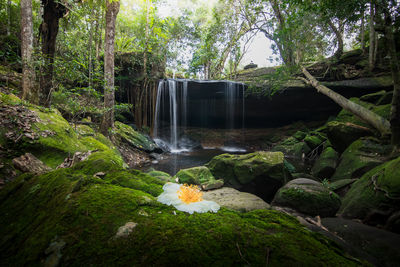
x: 192, y: 103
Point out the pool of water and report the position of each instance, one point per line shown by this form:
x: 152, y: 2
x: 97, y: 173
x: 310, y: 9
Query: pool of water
x: 172, y: 163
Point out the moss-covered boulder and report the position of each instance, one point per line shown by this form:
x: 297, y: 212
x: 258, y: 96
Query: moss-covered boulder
x: 127, y: 134
x: 70, y: 217
x: 163, y: 176
x: 360, y: 157
x: 377, y: 192
x: 313, y: 141
x: 308, y: 197
x: 199, y: 176
x: 324, y: 167
x: 296, y: 150
x: 342, y: 134
x: 43, y: 133
x: 260, y: 173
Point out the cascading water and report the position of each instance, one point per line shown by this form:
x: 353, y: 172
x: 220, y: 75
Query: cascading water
x: 189, y: 103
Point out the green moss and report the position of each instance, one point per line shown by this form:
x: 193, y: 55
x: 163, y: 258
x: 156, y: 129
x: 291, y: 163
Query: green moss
x: 313, y: 141
x: 299, y: 135
x: 324, y: 167
x: 84, y: 130
x: 309, y: 199
x: 9, y: 99
x: 365, y: 197
x: 360, y: 157
x: 163, y: 176
x: 128, y: 134
x: 87, y: 217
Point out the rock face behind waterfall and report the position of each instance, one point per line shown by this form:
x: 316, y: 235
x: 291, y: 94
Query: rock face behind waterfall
x: 260, y: 173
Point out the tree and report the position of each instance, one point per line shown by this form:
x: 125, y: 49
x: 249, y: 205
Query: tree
x: 112, y: 9
x: 53, y: 11
x: 29, y: 90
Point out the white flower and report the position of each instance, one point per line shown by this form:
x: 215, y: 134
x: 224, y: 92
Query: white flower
x: 186, y: 198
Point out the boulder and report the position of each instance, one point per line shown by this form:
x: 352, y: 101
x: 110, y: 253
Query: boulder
x: 199, y: 176
x: 299, y: 135
x: 374, y: 198
x: 341, y: 187
x: 29, y: 163
x: 296, y: 149
x: 313, y: 141
x: 382, y: 247
x: 260, y: 173
x: 324, y: 167
x: 233, y: 199
x: 342, y: 134
x: 163, y: 176
x: 125, y: 133
x: 309, y: 197
x: 360, y: 157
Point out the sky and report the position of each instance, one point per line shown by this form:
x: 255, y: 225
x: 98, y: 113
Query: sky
x: 259, y: 50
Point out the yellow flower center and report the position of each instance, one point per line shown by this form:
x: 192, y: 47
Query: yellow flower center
x: 190, y: 193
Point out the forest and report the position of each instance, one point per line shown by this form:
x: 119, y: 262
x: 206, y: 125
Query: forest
x: 141, y: 133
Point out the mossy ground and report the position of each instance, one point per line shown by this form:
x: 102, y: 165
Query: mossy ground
x: 85, y: 212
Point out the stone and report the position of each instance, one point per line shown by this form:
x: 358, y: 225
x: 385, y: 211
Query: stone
x: 341, y: 187
x: 54, y: 253
x: 233, y: 199
x: 125, y: 133
x: 360, y: 157
x: 299, y: 135
x: 324, y: 167
x: 376, y: 192
x: 260, y: 173
x: 309, y: 197
x: 313, y: 141
x: 163, y: 176
x: 29, y: 163
x: 199, y: 176
x: 342, y: 134
x: 125, y: 230
x: 382, y: 247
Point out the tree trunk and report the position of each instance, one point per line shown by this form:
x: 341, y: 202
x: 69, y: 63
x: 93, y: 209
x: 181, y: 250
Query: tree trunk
x: 372, y: 39
x: 29, y: 91
x: 112, y: 9
x: 90, y: 63
x: 53, y: 11
x: 362, y: 32
x: 378, y: 122
x: 9, y: 16
x: 339, y: 38
x: 394, y: 65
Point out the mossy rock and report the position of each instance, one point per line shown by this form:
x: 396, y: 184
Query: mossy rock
x: 297, y: 150
x: 163, y: 176
x: 377, y: 191
x: 84, y: 130
x: 260, y: 173
x: 360, y: 157
x: 341, y: 134
x: 125, y: 133
x: 73, y: 217
x: 299, y: 135
x: 325, y: 166
x: 309, y: 197
x: 313, y: 141
x: 199, y: 176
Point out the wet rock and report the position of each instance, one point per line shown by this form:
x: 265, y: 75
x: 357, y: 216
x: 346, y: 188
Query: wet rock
x: 233, y: 199
x: 360, y: 157
x: 125, y: 133
x: 308, y: 197
x: 163, y: 176
x: 341, y: 134
x: 260, y: 173
x: 325, y: 166
x: 341, y: 187
x: 29, y: 163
